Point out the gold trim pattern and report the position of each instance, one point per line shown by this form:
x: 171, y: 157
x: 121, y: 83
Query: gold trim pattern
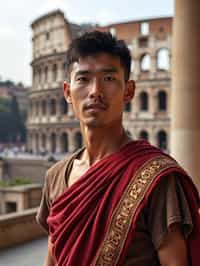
x: 112, y: 246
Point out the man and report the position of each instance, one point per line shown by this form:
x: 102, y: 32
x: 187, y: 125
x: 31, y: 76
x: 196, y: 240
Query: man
x: 115, y: 201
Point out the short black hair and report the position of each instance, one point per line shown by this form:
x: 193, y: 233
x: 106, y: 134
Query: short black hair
x: 94, y: 42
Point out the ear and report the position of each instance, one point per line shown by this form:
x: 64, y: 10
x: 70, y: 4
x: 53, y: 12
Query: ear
x: 129, y: 91
x: 66, y: 92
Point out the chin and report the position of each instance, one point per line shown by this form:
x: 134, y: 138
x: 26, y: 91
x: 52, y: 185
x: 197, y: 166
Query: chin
x: 94, y: 123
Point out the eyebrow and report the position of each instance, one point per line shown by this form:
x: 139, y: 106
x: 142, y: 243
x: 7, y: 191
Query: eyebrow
x: 103, y: 70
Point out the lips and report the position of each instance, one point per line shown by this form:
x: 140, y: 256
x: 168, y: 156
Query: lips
x: 96, y: 106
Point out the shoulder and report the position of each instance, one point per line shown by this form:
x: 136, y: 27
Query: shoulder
x: 56, y: 168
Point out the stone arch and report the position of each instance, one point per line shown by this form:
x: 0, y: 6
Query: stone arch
x: 55, y: 72
x: 162, y: 101
x: 44, y: 107
x: 64, y: 70
x: 31, y: 108
x: 163, y: 61
x: 144, y: 135
x: 46, y: 73
x: 52, y: 106
x: 132, y: 65
x: 64, y: 142
x: 128, y: 133
x: 36, y: 142
x: 162, y: 139
x: 36, y: 108
x: 64, y: 106
x: 39, y: 75
x: 144, y: 101
x: 78, y: 140
x: 127, y: 107
x: 53, y: 142
x: 43, y: 141
x: 30, y: 142
x: 145, y: 62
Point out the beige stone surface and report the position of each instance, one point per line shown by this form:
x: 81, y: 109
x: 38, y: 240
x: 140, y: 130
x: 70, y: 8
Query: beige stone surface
x: 186, y: 87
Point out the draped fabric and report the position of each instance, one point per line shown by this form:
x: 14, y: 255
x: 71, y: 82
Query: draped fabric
x: 80, y: 218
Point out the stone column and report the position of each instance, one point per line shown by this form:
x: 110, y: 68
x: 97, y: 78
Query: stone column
x: 153, y: 68
x: 135, y: 109
x: 58, y: 106
x: 152, y: 101
x: 60, y: 72
x: 58, y: 143
x: 185, y: 135
x: 71, y: 144
x: 34, y: 143
x: 50, y: 76
x: 48, y: 143
x: 136, y: 67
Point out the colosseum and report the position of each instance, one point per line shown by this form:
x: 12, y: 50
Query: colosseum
x: 51, y: 124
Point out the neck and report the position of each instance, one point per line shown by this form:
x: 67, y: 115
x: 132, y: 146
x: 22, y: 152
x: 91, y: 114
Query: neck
x: 101, y: 142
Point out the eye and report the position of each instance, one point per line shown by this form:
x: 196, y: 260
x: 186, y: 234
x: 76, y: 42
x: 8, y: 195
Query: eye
x: 82, y: 79
x: 109, y: 78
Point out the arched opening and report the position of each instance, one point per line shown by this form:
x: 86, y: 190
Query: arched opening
x: 43, y: 142
x: 132, y: 66
x: 53, y: 107
x: 64, y: 70
x: 64, y: 106
x: 145, y: 62
x: 46, y: 73
x: 162, y: 140
x: 78, y: 140
x: 64, y: 142
x: 31, y: 109
x: 30, y: 143
x: 55, y: 72
x: 143, y: 101
x: 144, y: 135
x: 127, y: 107
x: 36, y: 142
x: 39, y: 75
x: 36, y: 108
x: 128, y: 133
x: 53, y: 142
x: 162, y: 101
x: 163, y: 59
x: 44, y: 107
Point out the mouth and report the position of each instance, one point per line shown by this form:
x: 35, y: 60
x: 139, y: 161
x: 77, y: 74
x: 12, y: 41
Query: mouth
x: 95, y: 107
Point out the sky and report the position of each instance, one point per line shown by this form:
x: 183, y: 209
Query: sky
x: 16, y: 17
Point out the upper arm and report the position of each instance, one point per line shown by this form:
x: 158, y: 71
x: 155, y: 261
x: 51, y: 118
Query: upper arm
x: 170, y: 222
x: 168, y: 205
x: 173, y: 250
x: 43, y: 210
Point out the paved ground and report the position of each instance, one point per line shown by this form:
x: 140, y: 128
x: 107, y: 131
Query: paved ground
x: 29, y: 254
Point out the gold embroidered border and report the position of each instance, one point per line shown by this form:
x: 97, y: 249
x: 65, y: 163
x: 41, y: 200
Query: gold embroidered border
x: 111, y: 248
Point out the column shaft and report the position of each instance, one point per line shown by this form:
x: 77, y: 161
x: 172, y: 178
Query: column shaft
x: 185, y: 137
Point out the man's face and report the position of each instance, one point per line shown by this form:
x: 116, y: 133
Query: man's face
x: 98, y: 91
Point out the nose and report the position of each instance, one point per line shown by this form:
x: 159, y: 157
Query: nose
x: 95, y: 88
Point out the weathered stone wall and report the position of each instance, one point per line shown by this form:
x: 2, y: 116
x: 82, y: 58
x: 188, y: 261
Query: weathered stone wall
x: 24, y: 196
x: 18, y: 228
x: 28, y: 168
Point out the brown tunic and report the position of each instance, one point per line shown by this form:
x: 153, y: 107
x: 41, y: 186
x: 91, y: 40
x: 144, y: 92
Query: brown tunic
x: 167, y: 205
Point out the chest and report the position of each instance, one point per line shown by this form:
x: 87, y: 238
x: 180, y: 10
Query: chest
x: 79, y: 168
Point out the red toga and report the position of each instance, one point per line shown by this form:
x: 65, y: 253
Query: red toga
x: 93, y: 221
